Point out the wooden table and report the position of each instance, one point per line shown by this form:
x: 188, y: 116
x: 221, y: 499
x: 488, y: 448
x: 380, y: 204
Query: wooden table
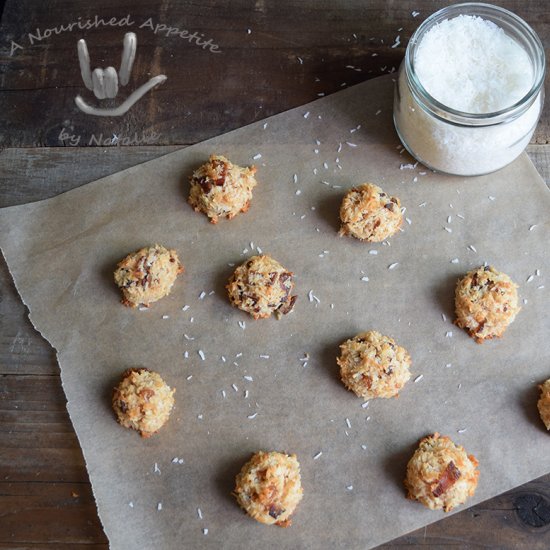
x: 271, y: 56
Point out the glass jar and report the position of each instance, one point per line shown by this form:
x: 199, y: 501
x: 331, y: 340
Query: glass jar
x: 461, y: 143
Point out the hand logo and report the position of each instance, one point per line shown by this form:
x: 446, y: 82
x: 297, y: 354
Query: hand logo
x: 104, y: 82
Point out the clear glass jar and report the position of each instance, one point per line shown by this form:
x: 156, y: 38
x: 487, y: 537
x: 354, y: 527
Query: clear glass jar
x: 457, y: 142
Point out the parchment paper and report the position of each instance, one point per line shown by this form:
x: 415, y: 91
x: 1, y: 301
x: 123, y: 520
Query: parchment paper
x: 62, y: 252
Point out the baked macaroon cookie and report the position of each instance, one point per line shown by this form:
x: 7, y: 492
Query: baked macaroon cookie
x: 486, y: 302
x: 544, y: 403
x: 440, y: 474
x: 221, y: 189
x: 147, y: 275
x: 269, y: 488
x: 373, y: 365
x: 369, y: 214
x: 142, y: 401
x: 261, y: 286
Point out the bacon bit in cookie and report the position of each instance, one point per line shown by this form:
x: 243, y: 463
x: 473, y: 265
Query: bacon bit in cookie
x: 146, y: 393
x: 288, y: 306
x: 206, y: 184
x: 275, y: 511
x: 449, y: 477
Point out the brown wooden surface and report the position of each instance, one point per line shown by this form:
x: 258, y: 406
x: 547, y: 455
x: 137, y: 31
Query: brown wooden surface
x: 45, y: 496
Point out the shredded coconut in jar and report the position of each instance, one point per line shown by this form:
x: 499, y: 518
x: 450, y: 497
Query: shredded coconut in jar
x: 470, y: 64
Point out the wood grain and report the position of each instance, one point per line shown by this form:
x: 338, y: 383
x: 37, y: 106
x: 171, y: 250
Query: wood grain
x: 294, y: 52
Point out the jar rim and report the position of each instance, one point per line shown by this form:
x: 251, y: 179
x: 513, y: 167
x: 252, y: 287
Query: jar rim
x: 463, y: 118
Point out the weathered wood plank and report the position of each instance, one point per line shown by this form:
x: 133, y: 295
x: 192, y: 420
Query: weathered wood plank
x: 274, y: 56
x: 57, y: 513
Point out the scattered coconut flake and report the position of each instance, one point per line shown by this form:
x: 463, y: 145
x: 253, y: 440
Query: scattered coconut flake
x: 300, y: 60
x: 419, y: 377
x: 200, y: 416
x: 205, y: 531
x: 166, y: 316
x: 379, y: 110
x: 365, y: 279
x: 159, y: 506
x: 265, y: 125
x: 246, y: 394
x: 393, y: 266
x: 189, y: 377
x: 408, y: 166
x: 223, y: 394
x: 199, y: 513
x: 201, y: 354
x: 131, y: 504
x: 365, y: 405
x: 537, y: 272
x: 306, y: 114
x: 242, y: 324
x: 348, y: 423
x: 185, y: 308
x: 234, y: 387
x: 252, y: 416
x: 472, y: 248
x: 143, y: 308
x: 454, y: 261
x: 415, y: 13
x: 397, y: 41
x: 530, y: 278
x: 202, y: 295
x: 187, y: 337
x: 449, y: 365
x: 462, y: 430
x: 156, y: 469
x: 491, y: 198
x: 298, y: 192
x: 264, y: 356
x: 373, y: 252
x: 248, y: 377
x: 524, y: 301
x: 449, y: 334
x: 364, y: 447
x: 408, y: 220
x: 350, y: 144
x: 532, y: 227
x: 257, y: 156
x: 449, y: 219
x: 448, y: 229
x: 318, y: 455
x: 422, y: 204
x: 175, y: 460
x: 540, y: 287
x: 349, y: 487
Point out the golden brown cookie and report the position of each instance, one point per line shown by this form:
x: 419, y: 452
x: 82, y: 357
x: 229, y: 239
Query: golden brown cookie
x: 221, y: 189
x: 147, y: 275
x: 440, y: 474
x: 142, y: 401
x: 373, y: 365
x: 544, y: 403
x: 269, y: 487
x: 261, y: 286
x: 486, y: 303
x: 369, y: 214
